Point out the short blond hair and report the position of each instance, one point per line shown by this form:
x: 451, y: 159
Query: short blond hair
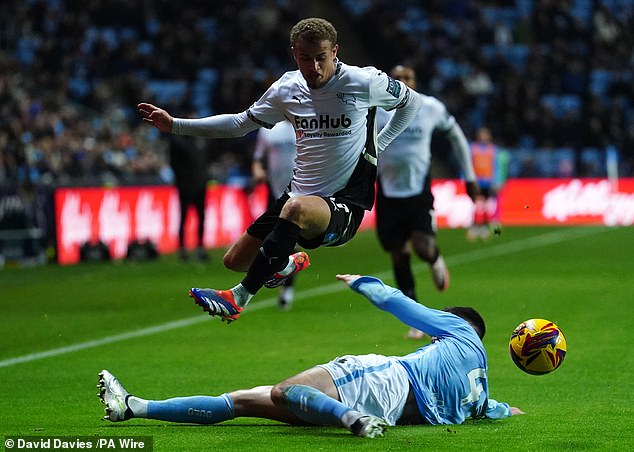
x: 313, y: 30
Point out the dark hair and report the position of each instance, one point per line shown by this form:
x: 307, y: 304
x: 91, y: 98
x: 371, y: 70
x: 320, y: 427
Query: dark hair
x: 470, y: 315
x: 313, y: 30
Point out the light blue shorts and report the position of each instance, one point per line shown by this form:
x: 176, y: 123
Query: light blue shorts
x: 371, y: 384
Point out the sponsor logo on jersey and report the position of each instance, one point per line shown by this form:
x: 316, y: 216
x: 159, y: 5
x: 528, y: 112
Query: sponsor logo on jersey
x: 393, y: 87
x: 323, y: 122
x: 298, y: 98
x: 347, y: 98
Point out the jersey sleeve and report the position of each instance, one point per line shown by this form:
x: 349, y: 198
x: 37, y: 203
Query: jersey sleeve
x: 218, y: 126
x: 462, y: 152
x: 387, y: 92
x: 431, y: 321
x: 497, y: 410
x: 265, y: 112
x: 445, y: 121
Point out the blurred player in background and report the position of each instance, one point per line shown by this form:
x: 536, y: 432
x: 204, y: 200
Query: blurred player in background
x: 444, y: 382
x: 405, y: 203
x: 273, y: 163
x: 189, y: 162
x: 332, y: 107
x: 488, y: 163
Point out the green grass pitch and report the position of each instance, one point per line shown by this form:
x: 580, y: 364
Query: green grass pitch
x: 62, y: 325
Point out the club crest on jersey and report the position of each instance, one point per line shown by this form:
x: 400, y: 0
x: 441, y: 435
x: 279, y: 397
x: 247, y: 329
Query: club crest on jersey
x: 347, y: 98
x: 393, y: 87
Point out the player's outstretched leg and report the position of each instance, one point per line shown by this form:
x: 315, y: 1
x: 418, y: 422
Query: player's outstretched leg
x: 121, y: 405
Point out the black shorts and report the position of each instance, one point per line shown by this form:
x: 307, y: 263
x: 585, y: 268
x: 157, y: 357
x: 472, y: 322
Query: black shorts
x: 397, y: 218
x: 345, y: 219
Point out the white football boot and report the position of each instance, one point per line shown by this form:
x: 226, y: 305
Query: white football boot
x: 440, y: 274
x: 114, y: 396
x: 369, y: 427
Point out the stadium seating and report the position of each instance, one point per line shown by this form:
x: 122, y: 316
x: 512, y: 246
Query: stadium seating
x: 178, y: 56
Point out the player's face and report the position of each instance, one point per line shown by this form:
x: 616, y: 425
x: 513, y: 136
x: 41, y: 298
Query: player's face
x: 405, y: 75
x: 316, y: 61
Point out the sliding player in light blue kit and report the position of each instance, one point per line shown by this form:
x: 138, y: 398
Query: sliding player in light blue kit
x: 444, y: 382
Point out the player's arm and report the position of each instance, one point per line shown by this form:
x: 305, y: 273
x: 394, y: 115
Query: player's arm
x: 258, y: 170
x: 390, y: 94
x: 402, y: 117
x: 460, y: 147
x: 218, y: 126
x: 431, y: 321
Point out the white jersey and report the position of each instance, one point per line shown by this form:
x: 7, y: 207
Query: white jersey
x: 334, y: 126
x: 277, y: 146
x: 405, y: 163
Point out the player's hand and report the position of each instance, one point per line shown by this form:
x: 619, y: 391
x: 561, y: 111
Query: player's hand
x: 473, y: 190
x: 258, y: 173
x: 348, y: 279
x: 516, y: 411
x: 155, y: 116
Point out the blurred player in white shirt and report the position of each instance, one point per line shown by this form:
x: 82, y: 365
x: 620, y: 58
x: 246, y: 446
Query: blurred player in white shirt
x: 332, y: 107
x: 405, y: 204
x: 273, y: 163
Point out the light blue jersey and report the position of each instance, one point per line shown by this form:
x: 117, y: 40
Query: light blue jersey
x: 448, y: 376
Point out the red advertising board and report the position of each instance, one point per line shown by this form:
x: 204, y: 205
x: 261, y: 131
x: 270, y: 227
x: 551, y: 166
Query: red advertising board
x: 116, y: 216
x: 543, y: 202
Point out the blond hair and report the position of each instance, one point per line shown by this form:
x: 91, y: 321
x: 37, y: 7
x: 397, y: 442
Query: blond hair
x: 313, y: 30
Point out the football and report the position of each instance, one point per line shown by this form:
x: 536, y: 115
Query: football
x: 537, y: 346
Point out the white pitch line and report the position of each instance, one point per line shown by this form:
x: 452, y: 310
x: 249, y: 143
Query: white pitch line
x: 470, y: 256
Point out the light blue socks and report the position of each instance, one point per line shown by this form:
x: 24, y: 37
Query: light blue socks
x: 315, y: 407
x: 196, y: 409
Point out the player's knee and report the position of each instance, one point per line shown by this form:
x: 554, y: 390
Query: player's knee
x: 293, y: 210
x: 400, y: 257
x: 229, y: 260
x: 425, y: 247
x: 278, y: 396
x: 232, y: 261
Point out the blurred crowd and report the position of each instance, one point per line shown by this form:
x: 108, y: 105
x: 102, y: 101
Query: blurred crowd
x: 542, y: 75
x: 72, y: 72
x: 553, y: 79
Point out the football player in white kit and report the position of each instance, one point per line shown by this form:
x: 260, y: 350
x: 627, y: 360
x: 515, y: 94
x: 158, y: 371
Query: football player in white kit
x: 405, y: 203
x: 273, y: 163
x: 332, y: 107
